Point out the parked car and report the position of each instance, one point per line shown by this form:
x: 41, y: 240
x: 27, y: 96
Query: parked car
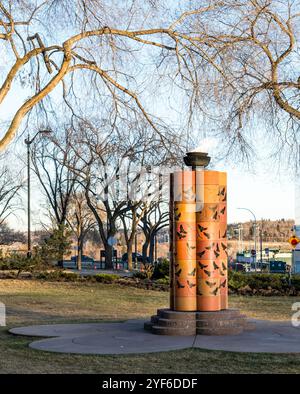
x: 86, y: 263
x: 135, y: 257
x: 278, y: 267
x: 84, y: 259
x: 237, y: 267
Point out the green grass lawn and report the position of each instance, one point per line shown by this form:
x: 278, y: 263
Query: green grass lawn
x: 37, y: 302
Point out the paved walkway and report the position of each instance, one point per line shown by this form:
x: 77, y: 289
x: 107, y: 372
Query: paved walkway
x: 129, y: 337
x: 90, y: 272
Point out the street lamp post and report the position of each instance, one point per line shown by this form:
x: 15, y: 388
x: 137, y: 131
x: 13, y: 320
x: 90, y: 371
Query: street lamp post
x: 240, y: 230
x: 28, y: 142
x: 261, y: 242
x: 155, y: 238
x: 254, y: 233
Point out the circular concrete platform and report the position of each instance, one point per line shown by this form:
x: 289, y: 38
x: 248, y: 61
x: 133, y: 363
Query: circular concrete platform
x: 131, y: 338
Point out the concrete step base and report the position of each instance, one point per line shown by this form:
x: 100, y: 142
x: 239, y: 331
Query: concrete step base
x: 225, y: 322
x: 148, y: 326
x: 223, y: 314
x: 154, y: 319
x: 240, y: 322
x: 220, y: 330
x: 174, y: 331
x: 188, y: 324
x: 168, y: 314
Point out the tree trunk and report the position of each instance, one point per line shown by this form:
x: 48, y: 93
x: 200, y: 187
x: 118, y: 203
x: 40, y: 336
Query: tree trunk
x: 79, y: 261
x: 145, y: 250
x: 151, y: 249
x: 108, y: 256
x: 129, y: 255
x: 79, y: 255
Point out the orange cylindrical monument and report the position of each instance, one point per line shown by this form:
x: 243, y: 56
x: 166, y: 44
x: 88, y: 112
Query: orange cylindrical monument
x: 198, y: 231
x: 198, y: 256
x: 223, y: 239
x: 208, y: 250
x: 171, y: 240
x: 184, y: 235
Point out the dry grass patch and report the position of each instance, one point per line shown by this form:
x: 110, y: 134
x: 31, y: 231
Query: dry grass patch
x: 37, y: 302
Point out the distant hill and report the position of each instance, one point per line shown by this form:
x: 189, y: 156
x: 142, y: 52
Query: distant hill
x: 272, y: 230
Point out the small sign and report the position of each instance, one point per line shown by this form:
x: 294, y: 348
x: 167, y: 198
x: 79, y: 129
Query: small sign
x: 294, y: 241
x: 2, y: 315
x: 103, y: 255
x: 112, y: 241
x: 267, y: 251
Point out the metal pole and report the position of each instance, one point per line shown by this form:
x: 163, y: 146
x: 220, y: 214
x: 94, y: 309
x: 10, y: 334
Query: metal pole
x: 28, y: 200
x: 254, y: 234
x: 242, y: 242
x: 28, y: 142
x: 255, y: 259
x: 261, y: 245
x: 155, y: 240
x: 240, y: 230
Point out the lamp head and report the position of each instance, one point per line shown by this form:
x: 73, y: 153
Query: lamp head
x: 196, y: 159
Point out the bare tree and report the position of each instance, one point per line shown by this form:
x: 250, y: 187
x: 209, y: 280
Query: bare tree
x: 117, y: 57
x: 110, y: 170
x: 234, y: 61
x: 130, y: 220
x: 97, y: 178
x: 8, y: 236
x: 53, y: 63
x: 148, y: 181
x: 10, y: 187
x: 81, y: 221
x: 154, y: 220
x: 51, y: 165
x: 254, y: 46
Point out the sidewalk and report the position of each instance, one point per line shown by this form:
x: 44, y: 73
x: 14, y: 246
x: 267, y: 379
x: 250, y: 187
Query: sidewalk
x: 131, y: 338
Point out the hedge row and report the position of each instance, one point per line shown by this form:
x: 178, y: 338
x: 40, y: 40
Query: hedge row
x: 238, y: 283
x: 263, y: 284
x: 63, y: 276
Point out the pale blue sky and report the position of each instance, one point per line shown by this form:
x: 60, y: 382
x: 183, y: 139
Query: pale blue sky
x: 268, y: 199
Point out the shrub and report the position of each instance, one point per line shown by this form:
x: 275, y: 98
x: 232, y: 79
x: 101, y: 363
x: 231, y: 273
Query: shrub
x: 149, y: 269
x: 161, y: 269
x: 296, y: 282
x: 262, y: 281
x: 236, y: 280
x: 106, y: 278
x: 140, y: 275
x: 163, y: 281
x: 52, y: 249
x: 58, y: 276
x: 20, y: 262
x: 55, y: 246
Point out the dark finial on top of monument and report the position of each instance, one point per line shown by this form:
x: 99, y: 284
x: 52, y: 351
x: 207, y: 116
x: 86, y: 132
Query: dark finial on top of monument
x: 196, y: 159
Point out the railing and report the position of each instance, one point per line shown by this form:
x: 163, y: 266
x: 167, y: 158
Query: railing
x: 95, y: 265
